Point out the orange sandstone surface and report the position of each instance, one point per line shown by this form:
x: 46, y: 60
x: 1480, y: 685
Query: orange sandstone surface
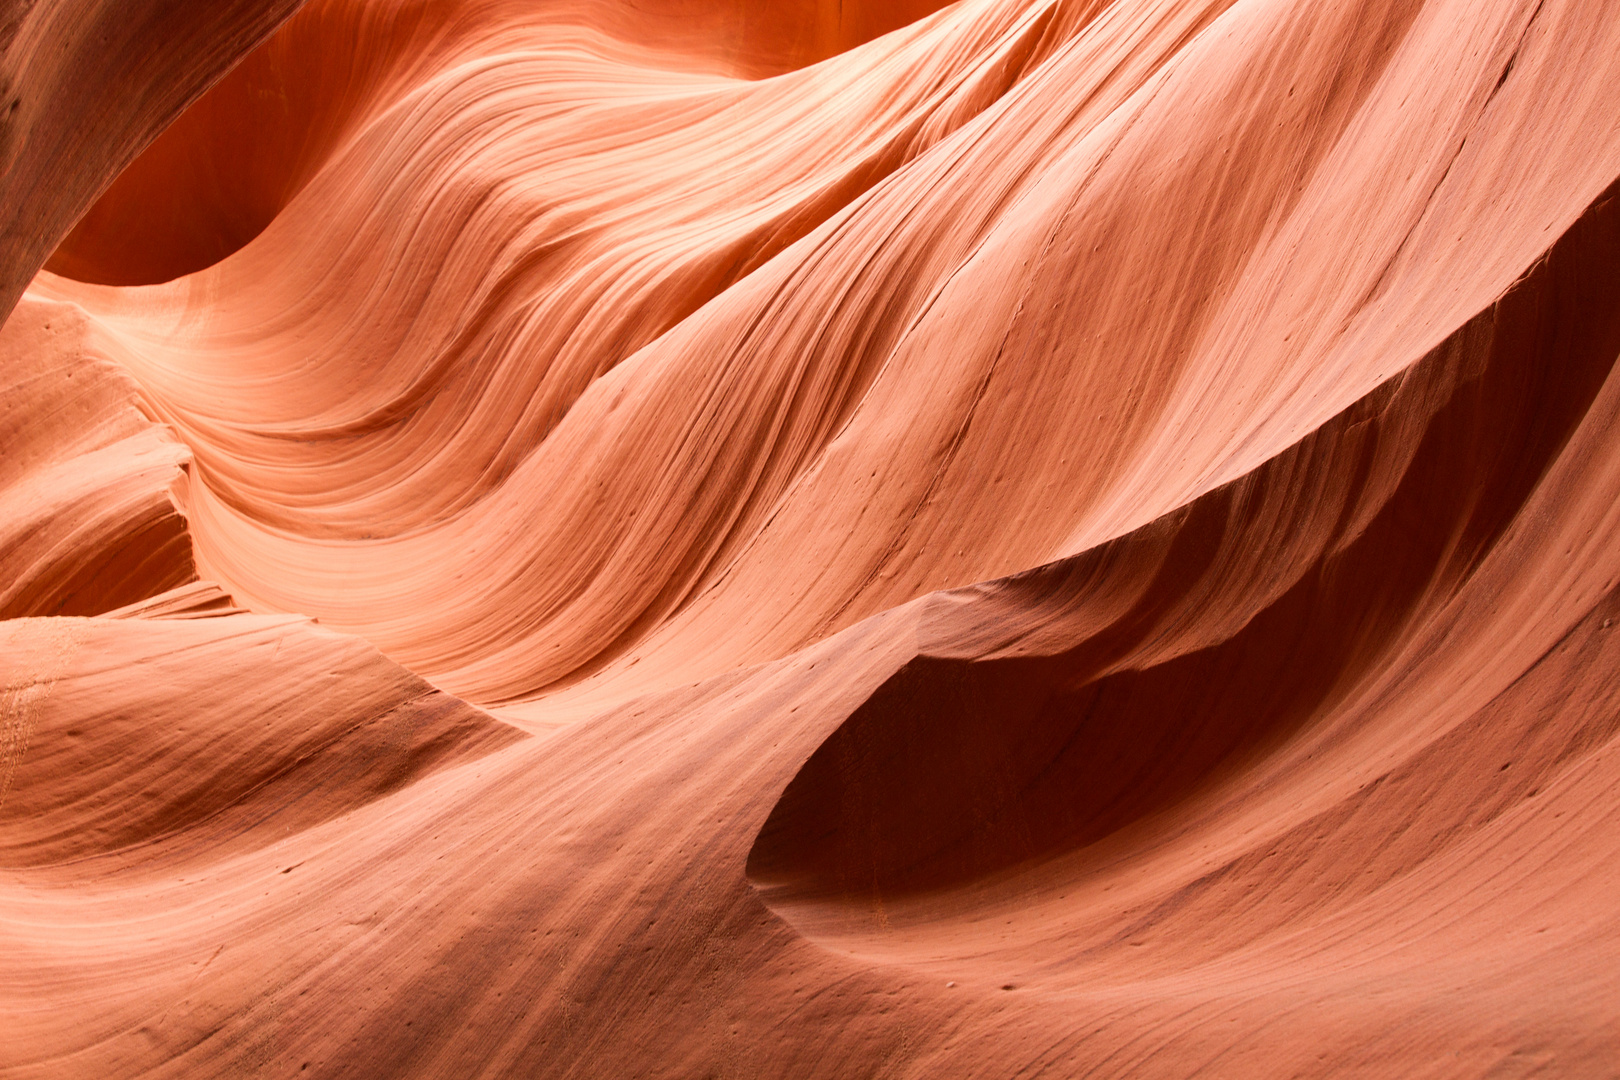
x: 704, y: 538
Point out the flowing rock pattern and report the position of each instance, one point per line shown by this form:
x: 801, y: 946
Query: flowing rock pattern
x: 698, y: 538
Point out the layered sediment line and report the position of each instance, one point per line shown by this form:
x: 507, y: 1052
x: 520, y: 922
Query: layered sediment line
x: 1015, y: 538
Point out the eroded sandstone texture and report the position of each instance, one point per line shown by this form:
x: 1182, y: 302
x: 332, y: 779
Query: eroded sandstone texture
x: 711, y: 538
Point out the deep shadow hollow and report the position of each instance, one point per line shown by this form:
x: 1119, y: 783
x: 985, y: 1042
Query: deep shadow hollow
x: 958, y: 768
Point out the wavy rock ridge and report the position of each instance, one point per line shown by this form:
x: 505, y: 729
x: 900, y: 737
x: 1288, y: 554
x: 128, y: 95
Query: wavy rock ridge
x: 1019, y: 538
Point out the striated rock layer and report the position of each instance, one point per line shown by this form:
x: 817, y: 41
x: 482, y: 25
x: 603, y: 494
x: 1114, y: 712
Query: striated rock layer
x: 699, y: 538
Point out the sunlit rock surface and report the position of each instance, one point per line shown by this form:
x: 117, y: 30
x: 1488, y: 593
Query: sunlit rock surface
x: 700, y: 538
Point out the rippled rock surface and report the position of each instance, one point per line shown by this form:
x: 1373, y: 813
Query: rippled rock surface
x: 701, y: 538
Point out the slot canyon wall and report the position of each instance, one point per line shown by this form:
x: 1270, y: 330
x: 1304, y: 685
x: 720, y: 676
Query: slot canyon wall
x: 713, y: 539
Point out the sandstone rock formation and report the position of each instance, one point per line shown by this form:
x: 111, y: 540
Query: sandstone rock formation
x: 699, y: 538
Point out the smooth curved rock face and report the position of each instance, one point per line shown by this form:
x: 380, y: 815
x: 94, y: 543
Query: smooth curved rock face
x: 699, y: 538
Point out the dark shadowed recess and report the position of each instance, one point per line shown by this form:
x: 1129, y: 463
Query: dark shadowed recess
x: 221, y: 173
x: 87, y: 84
x: 1248, y: 614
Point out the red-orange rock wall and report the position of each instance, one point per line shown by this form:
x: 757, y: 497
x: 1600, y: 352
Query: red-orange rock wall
x: 1006, y: 539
